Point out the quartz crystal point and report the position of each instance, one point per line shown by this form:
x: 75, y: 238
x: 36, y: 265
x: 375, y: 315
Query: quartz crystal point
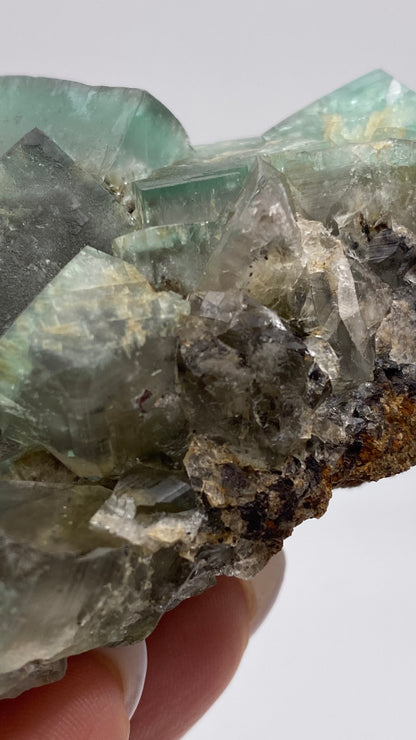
x: 196, y: 346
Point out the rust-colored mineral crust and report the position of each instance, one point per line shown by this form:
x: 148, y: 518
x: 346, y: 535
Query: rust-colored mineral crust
x: 389, y: 450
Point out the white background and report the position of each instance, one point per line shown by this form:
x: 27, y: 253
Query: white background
x: 336, y: 659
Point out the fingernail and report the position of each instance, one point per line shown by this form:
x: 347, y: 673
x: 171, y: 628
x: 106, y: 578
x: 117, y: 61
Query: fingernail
x: 130, y: 663
x: 262, y: 590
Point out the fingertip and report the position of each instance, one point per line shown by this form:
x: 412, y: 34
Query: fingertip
x: 262, y: 590
x: 193, y: 654
x: 130, y: 665
x: 87, y: 704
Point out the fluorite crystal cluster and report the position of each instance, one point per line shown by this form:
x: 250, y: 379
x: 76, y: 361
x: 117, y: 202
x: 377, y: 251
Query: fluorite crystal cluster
x: 196, y: 345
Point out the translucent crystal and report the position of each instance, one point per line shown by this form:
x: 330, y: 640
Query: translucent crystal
x: 172, y: 256
x: 49, y: 210
x: 175, y: 199
x: 110, y: 131
x: 96, y: 380
x: 375, y: 106
x: 260, y: 249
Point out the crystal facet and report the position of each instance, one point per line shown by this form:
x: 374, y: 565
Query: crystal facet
x: 108, y: 130
x: 49, y: 210
x: 196, y: 346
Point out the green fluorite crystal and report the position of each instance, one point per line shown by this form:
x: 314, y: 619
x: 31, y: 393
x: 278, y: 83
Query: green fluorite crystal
x: 50, y: 209
x: 110, y: 131
x: 92, y: 343
x: 196, y: 345
x: 370, y: 108
x: 173, y: 255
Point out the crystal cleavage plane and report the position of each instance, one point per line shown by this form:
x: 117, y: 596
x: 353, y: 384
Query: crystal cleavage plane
x: 196, y: 346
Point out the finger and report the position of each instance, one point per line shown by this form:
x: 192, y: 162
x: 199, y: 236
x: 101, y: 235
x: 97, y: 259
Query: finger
x: 130, y: 665
x: 87, y: 704
x: 262, y: 590
x: 196, y: 649
x: 193, y: 654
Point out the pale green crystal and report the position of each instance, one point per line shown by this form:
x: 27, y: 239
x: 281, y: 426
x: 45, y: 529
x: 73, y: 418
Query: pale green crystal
x: 375, y: 106
x: 96, y: 383
x: 195, y: 346
x: 172, y: 256
x: 53, y: 522
x: 191, y: 199
x: 111, y: 131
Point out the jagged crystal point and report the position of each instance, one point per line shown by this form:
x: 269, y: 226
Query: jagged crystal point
x: 196, y: 346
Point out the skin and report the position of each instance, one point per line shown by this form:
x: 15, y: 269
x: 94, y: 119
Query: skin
x: 193, y: 654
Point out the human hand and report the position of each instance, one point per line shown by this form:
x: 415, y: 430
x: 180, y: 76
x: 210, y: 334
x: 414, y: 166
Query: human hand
x: 192, y: 655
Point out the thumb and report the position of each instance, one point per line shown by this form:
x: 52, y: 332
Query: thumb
x: 87, y: 704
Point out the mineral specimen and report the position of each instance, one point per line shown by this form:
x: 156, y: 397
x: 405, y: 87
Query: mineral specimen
x: 197, y: 345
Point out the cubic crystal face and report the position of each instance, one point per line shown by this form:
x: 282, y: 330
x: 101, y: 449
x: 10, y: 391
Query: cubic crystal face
x: 49, y: 210
x: 196, y: 346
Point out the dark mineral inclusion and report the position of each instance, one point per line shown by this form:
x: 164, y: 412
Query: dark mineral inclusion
x: 197, y: 345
